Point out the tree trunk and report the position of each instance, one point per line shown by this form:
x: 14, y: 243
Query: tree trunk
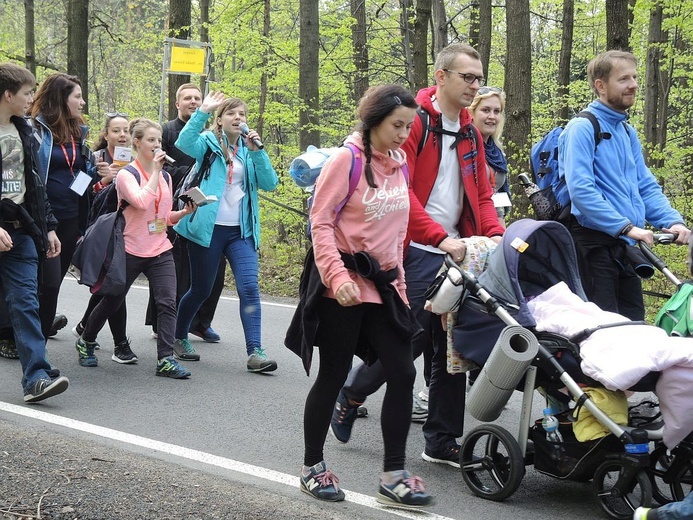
x: 440, y: 33
x: 179, y: 21
x: 518, y: 85
x: 564, y: 62
x: 77, y: 38
x: 360, y: 43
x: 617, y: 26
x: 29, y: 37
x: 308, y: 69
x: 423, y: 17
x: 652, y: 79
x: 484, y: 41
x: 266, y: 28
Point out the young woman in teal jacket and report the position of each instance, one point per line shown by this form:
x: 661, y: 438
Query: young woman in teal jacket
x: 229, y: 227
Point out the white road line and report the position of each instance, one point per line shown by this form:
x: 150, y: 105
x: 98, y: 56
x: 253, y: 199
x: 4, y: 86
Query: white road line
x: 201, y: 456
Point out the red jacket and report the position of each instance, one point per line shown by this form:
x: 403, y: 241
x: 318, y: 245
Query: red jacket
x: 479, y: 215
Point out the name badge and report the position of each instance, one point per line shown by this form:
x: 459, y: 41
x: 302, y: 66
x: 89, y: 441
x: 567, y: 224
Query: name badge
x: 501, y: 200
x: 80, y: 183
x: 157, y: 225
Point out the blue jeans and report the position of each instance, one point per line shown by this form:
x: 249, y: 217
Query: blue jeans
x: 19, y: 278
x: 677, y: 510
x: 204, y: 263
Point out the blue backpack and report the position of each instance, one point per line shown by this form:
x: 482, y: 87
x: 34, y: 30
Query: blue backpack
x: 544, y: 164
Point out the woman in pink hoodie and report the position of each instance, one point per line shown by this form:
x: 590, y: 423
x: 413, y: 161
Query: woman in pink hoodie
x: 363, y: 308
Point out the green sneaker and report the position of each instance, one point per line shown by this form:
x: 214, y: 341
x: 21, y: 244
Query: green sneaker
x: 169, y: 367
x: 85, y: 350
x: 182, y: 349
x: 258, y: 362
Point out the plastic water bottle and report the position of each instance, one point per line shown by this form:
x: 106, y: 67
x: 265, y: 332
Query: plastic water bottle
x: 550, y: 425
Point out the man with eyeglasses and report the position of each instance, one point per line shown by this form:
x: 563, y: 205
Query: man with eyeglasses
x: 450, y: 198
x: 188, y: 100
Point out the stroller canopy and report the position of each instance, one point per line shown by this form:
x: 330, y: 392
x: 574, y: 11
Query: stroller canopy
x: 533, y: 256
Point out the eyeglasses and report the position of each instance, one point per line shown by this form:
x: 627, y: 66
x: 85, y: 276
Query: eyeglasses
x: 111, y: 115
x: 468, y: 78
x: 486, y: 90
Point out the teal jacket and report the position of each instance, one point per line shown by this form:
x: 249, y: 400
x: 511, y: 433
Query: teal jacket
x: 259, y: 174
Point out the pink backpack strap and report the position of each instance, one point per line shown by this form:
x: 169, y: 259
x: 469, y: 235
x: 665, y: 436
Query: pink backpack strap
x: 354, y: 177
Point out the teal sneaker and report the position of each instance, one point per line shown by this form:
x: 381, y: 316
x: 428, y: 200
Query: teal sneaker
x: 182, y: 349
x: 169, y: 367
x: 85, y: 351
x: 258, y: 362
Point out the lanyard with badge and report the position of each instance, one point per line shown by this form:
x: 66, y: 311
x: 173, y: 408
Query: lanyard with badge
x: 158, y: 225
x: 81, y: 181
x: 234, y: 192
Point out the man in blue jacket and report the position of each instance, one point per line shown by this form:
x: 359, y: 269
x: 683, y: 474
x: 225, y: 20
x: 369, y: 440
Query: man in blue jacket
x: 612, y: 192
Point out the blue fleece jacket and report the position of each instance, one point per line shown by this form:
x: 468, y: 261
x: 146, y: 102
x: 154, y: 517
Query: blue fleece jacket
x: 612, y: 187
x: 259, y: 174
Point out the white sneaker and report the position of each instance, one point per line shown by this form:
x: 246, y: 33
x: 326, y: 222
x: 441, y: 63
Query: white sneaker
x: 155, y: 335
x: 423, y: 394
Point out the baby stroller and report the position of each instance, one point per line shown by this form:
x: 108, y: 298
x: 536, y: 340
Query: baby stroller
x: 534, y: 256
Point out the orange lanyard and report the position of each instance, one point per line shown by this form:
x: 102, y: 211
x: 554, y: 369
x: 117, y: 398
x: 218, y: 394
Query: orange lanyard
x: 146, y: 179
x: 70, y: 165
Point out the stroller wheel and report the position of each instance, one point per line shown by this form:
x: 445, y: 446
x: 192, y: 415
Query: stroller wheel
x: 671, y: 474
x: 612, y: 501
x: 491, y: 462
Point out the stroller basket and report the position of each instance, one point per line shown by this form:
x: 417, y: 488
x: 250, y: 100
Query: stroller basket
x: 570, y: 459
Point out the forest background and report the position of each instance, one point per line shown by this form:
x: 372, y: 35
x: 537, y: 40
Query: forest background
x: 301, y: 66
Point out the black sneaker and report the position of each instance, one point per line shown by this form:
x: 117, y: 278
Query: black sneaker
x: 59, y: 322
x: 408, y: 492
x: 321, y: 483
x: 122, y: 353
x: 343, y: 417
x: 449, y: 455
x: 45, y: 388
x: 8, y: 349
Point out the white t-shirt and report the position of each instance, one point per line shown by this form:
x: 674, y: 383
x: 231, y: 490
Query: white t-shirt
x: 229, y: 213
x: 447, y: 196
x: 12, y: 152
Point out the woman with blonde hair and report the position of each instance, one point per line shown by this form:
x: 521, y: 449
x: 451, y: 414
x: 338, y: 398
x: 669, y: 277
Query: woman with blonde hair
x: 147, y: 247
x: 488, y: 112
x: 230, y: 227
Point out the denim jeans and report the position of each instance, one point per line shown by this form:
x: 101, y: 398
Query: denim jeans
x: 677, y: 510
x: 204, y: 263
x: 19, y: 278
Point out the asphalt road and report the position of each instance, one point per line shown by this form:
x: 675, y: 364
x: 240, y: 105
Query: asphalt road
x: 122, y: 443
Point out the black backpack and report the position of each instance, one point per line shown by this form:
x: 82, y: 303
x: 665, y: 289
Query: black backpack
x: 106, y: 200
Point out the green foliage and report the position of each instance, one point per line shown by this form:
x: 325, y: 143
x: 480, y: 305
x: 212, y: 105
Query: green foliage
x: 126, y: 50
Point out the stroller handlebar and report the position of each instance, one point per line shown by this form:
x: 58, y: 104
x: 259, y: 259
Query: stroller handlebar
x: 665, y: 238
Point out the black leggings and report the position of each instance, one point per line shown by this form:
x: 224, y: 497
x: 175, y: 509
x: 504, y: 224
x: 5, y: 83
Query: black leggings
x: 341, y: 330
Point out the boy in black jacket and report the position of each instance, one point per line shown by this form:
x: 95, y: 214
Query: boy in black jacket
x: 27, y: 233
